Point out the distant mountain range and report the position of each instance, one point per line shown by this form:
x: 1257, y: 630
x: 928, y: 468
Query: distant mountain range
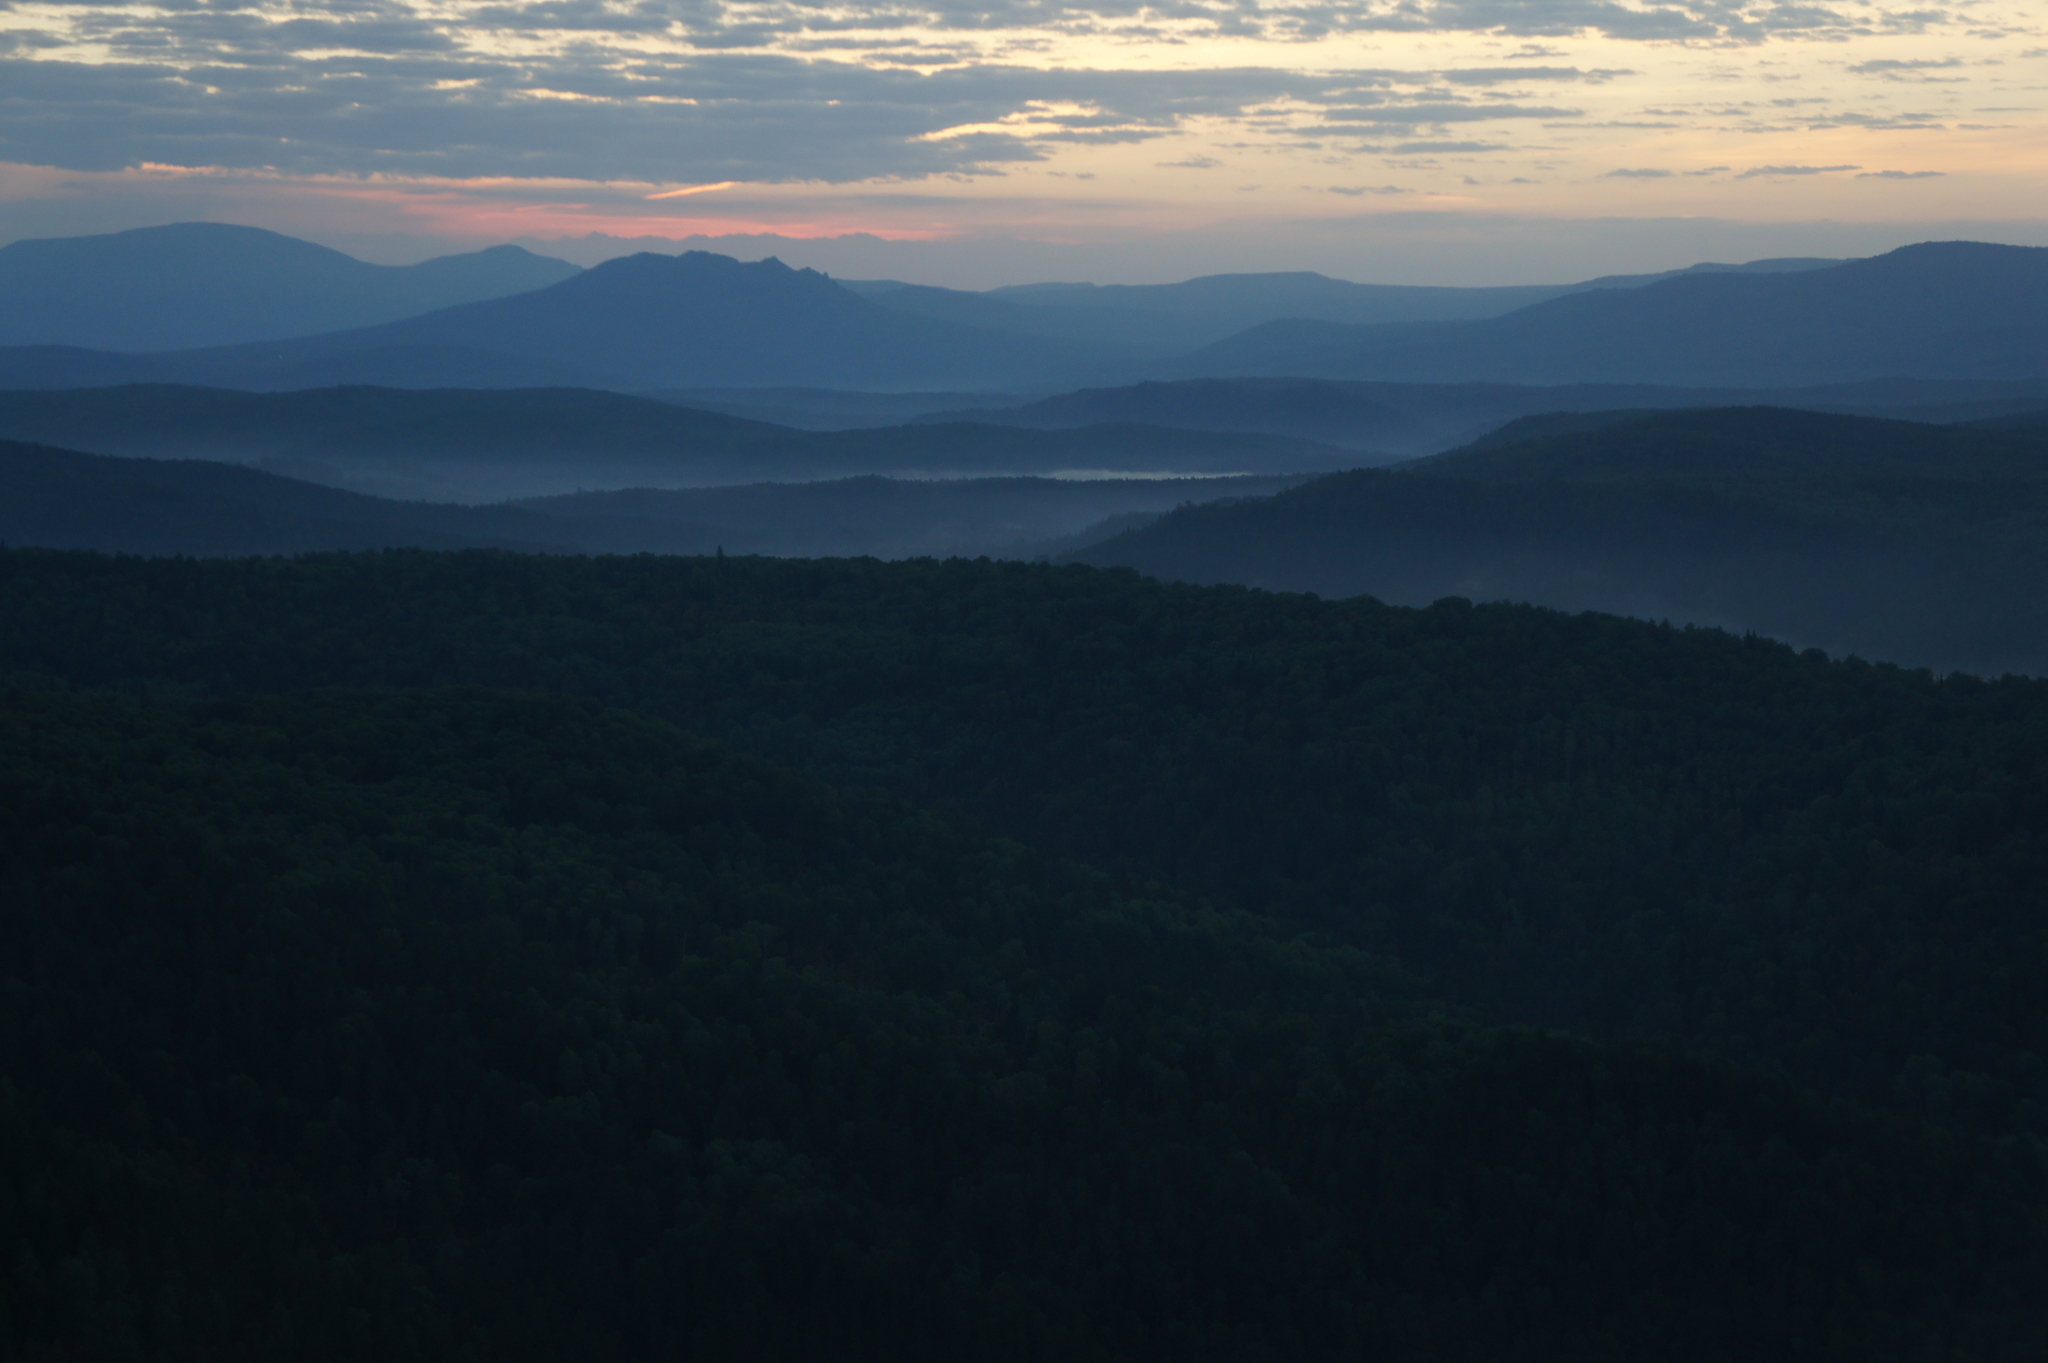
x: 1964, y: 310
x: 1937, y: 311
x: 464, y: 445
x: 210, y: 284
x: 1167, y: 319
x: 639, y: 322
x: 1913, y: 543
x: 63, y: 499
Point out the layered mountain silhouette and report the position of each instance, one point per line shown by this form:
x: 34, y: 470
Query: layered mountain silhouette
x: 483, y: 445
x: 207, y: 283
x: 1914, y: 543
x: 1167, y: 319
x: 1409, y: 419
x: 62, y: 499
x: 1956, y: 311
x: 1935, y: 310
x: 639, y: 322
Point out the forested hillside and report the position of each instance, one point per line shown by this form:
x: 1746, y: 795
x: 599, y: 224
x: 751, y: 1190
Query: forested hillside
x: 472, y: 1025
x: 1587, y: 822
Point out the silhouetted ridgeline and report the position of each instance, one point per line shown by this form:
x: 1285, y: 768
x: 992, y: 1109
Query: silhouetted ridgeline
x: 1910, y: 543
x: 192, y: 285
x: 1937, y: 310
x: 1934, y: 310
x: 209, y: 283
x: 643, y: 321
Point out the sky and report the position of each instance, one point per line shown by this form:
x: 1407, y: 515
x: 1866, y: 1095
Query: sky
x: 1007, y: 141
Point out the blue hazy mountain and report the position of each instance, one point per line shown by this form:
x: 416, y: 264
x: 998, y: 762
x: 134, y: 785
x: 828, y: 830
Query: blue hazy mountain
x: 1912, y: 543
x: 651, y: 321
x: 1964, y: 310
x: 639, y: 322
x: 1166, y: 319
x: 209, y: 284
x: 642, y: 322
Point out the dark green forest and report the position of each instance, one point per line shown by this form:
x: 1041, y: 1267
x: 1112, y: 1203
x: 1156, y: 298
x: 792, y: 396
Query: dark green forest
x: 477, y: 954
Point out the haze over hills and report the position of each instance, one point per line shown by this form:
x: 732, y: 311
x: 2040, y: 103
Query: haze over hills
x: 63, y: 499
x: 464, y: 445
x: 1963, y: 310
x: 210, y: 284
x: 1917, y: 544
x: 1416, y: 419
x: 1164, y: 319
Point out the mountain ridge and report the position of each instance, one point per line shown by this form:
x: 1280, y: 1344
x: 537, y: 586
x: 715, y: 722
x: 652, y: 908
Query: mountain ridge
x: 189, y: 285
x: 1963, y: 310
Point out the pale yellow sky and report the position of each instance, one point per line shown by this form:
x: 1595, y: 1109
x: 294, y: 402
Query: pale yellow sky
x: 1104, y: 125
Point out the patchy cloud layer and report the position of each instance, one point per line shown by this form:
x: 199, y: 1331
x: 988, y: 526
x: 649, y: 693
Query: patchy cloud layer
x: 645, y: 116
x: 678, y: 90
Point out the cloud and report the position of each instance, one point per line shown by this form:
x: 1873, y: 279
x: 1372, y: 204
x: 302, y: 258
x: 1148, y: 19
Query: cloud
x: 1437, y: 148
x: 679, y: 92
x: 1891, y: 65
x: 1503, y: 75
x: 1356, y: 190
x: 1397, y: 116
x: 1638, y: 174
x: 697, y: 120
x: 1192, y: 163
x: 1755, y: 171
x: 1901, y: 174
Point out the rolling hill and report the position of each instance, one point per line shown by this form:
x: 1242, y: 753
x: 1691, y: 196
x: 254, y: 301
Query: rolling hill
x: 1915, y: 544
x: 211, y: 284
x: 61, y: 499
x: 1959, y: 310
x: 1411, y: 419
x: 470, y: 445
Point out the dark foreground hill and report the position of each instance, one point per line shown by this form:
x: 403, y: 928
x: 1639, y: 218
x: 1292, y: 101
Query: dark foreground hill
x: 469, y: 445
x: 1918, y: 544
x: 462, y: 1024
x: 212, y: 284
x: 61, y: 499
x: 1823, y: 867
x: 1938, y: 310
